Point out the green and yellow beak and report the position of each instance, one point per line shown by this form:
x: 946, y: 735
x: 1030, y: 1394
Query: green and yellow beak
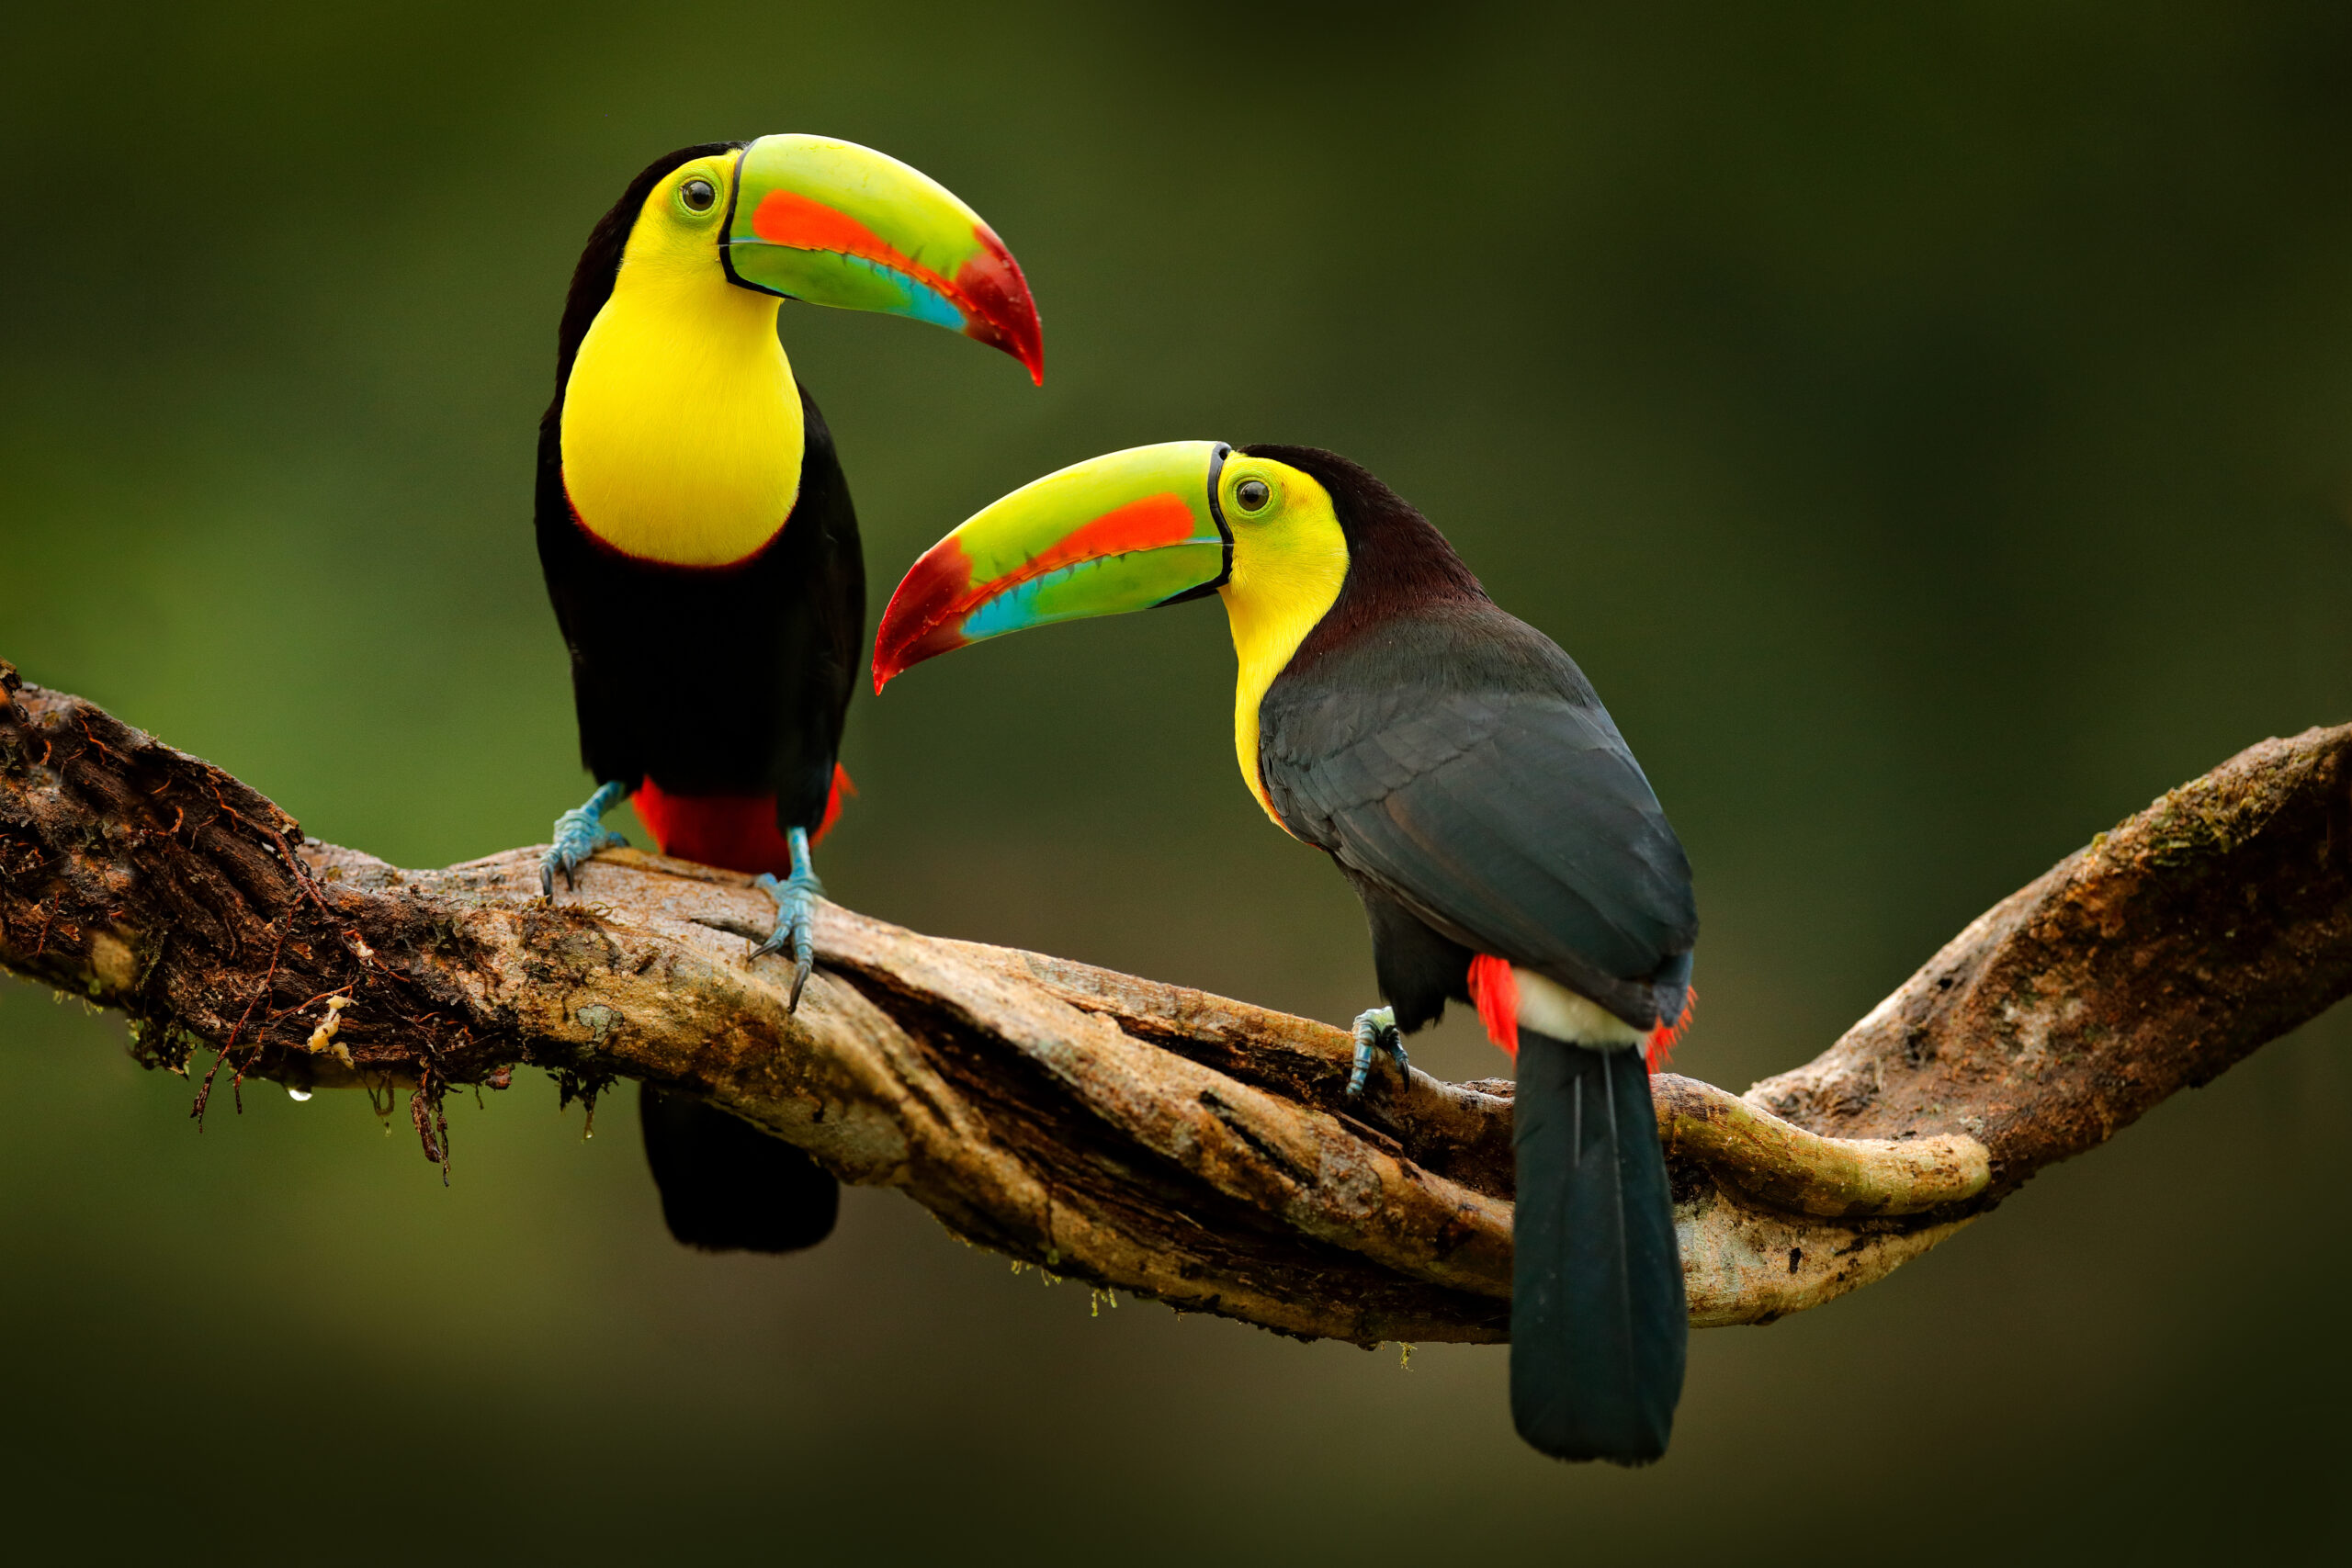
x: 1128, y: 531
x: 833, y: 223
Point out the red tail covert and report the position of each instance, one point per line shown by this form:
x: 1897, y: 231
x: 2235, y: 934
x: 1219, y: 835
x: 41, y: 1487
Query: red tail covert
x: 735, y: 832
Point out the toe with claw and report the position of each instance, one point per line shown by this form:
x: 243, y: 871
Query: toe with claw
x: 579, y: 834
x: 1376, y: 1030
x: 796, y: 900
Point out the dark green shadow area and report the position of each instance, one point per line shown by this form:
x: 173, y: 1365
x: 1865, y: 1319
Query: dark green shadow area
x: 1933, y: 433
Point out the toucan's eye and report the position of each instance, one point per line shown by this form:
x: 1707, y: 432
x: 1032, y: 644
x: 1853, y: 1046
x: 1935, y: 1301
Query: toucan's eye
x: 698, y: 194
x: 1251, y: 495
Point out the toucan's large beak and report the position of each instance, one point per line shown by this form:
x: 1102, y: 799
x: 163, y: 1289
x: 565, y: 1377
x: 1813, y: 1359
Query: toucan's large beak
x: 1124, y: 532
x: 834, y: 223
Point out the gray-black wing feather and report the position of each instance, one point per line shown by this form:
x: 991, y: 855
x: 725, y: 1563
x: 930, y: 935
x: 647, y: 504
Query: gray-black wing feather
x: 1458, y: 761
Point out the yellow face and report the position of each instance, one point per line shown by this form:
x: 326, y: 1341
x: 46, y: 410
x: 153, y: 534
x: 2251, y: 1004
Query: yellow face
x: 677, y: 229
x: 1289, y: 560
x: 682, y: 424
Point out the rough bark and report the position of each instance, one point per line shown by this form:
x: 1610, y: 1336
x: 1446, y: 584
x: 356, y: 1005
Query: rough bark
x: 1144, y: 1136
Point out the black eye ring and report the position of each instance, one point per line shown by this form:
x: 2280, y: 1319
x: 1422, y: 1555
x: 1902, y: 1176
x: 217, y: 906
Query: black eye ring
x: 698, y: 194
x: 1251, y: 495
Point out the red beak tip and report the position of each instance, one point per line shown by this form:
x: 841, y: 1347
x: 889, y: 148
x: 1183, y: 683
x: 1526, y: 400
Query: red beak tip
x: 1032, y: 349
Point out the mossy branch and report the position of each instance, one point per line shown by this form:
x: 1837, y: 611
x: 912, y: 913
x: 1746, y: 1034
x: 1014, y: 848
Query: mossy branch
x: 1145, y: 1136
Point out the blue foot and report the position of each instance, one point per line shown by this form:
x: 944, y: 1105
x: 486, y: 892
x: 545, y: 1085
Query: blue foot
x: 1376, y: 1030
x: 579, y: 834
x: 796, y: 899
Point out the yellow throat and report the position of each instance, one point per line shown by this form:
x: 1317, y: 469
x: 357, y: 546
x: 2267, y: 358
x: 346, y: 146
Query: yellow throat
x: 1286, y: 576
x: 682, y: 428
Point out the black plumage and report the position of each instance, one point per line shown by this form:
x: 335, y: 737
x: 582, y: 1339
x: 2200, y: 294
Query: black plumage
x: 723, y: 1189
x: 1461, y: 771
x: 1598, y: 1322
x: 728, y: 681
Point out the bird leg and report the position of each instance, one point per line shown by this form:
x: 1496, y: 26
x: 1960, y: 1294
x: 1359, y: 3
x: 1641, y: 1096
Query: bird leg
x: 1376, y: 1030
x: 579, y: 834
x: 795, y: 898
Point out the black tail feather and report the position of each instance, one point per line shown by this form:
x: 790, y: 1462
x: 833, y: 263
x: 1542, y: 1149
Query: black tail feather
x: 727, y: 1187
x: 1598, y: 1326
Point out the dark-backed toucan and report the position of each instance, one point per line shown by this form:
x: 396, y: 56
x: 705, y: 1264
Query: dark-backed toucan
x: 703, y: 555
x: 1461, y: 772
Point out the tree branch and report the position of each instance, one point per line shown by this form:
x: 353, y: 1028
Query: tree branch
x: 1144, y: 1136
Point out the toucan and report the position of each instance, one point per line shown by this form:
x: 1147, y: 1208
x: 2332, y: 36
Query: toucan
x: 702, y: 553
x: 1463, y: 775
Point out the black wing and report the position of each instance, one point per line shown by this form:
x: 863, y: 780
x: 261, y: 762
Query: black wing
x: 1458, y: 761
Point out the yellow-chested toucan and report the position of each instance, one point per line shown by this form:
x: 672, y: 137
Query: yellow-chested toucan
x: 1460, y: 771
x: 703, y: 555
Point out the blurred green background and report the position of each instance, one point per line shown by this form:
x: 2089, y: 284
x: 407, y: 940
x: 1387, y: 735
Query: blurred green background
x: 1931, y: 428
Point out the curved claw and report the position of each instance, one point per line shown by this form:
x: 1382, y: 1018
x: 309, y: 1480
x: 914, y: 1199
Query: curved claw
x: 1376, y: 1030
x: 579, y: 834
x: 796, y: 900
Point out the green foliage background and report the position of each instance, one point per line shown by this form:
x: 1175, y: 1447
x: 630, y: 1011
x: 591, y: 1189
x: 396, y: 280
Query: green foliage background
x: 1928, y: 426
